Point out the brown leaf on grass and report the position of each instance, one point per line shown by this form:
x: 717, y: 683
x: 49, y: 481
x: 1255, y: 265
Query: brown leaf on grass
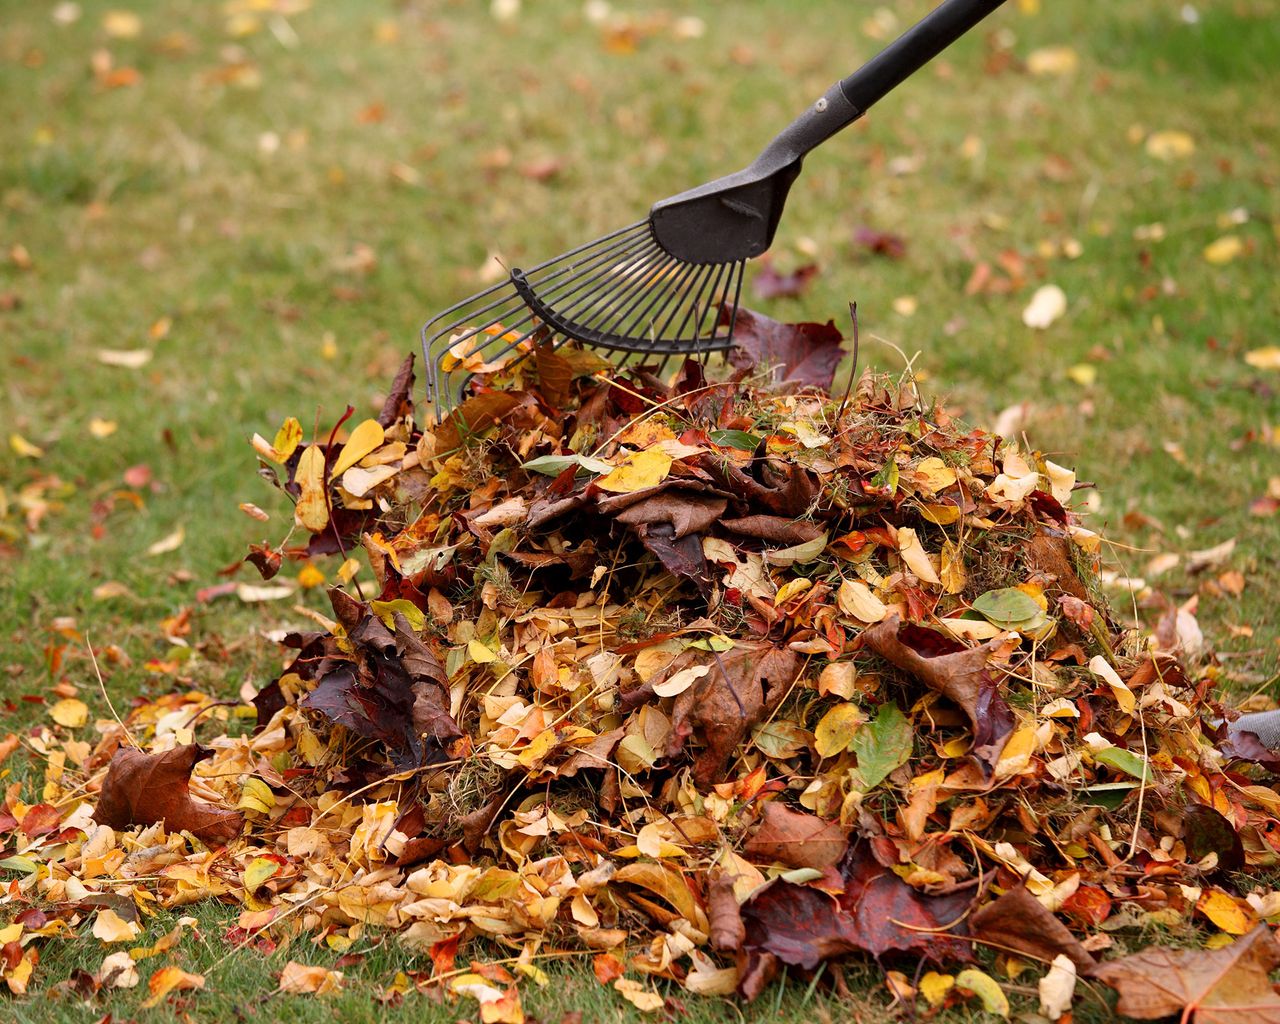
x: 797, y: 839
x: 805, y: 354
x: 721, y: 706
x: 142, y: 789
x: 881, y: 243
x: 1019, y: 922
x: 957, y: 672
x: 770, y: 284
x: 1218, y: 986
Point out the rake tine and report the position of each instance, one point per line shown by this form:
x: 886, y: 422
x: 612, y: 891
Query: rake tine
x: 633, y: 291
x: 722, y: 278
x: 707, y: 273
x: 653, y: 294
x: 675, y: 297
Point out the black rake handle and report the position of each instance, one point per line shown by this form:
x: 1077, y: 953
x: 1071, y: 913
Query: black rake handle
x: 849, y: 99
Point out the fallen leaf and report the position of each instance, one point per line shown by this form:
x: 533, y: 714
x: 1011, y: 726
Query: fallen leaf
x: 1053, y: 60
x: 1017, y: 922
x: 797, y: 839
x: 804, y: 354
x: 70, y: 712
x: 636, y: 472
x: 1221, y: 986
x: 643, y: 999
x: 1223, y: 250
x: 169, y: 542
x: 311, y: 510
x: 985, y: 988
x: 299, y: 979
x: 1057, y: 988
x: 1265, y: 358
x: 1170, y: 145
x: 1047, y: 305
x: 110, y: 927
x: 118, y: 971
x: 364, y: 439
x: 769, y: 284
x: 170, y: 979
x: 126, y: 359
x: 142, y: 789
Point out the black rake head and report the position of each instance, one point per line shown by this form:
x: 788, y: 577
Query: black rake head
x: 623, y: 293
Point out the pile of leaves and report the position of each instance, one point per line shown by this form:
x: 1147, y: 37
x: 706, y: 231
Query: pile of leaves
x: 703, y: 676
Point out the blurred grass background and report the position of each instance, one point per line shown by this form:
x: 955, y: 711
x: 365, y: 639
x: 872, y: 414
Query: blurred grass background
x: 264, y: 199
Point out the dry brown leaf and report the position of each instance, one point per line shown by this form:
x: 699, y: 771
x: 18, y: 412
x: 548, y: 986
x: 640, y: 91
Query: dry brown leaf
x: 797, y: 839
x: 1208, y: 986
x: 142, y: 789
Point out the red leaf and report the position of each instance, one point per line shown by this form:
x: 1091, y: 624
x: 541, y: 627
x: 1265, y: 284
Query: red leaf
x: 806, y: 354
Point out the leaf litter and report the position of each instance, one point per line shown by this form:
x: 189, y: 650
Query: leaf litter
x: 705, y: 676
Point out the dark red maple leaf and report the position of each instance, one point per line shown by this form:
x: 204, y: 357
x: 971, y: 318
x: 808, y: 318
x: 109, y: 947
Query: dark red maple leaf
x: 804, y: 354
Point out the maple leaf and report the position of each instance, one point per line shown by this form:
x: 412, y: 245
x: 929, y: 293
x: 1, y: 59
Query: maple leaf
x: 142, y: 789
x: 1208, y: 986
x: 1019, y: 922
x: 804, y: 354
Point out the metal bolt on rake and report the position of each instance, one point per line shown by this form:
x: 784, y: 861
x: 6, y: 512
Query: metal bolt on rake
x: 669, y: 285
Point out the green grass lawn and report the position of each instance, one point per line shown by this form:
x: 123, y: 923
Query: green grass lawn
x: 269, y: 204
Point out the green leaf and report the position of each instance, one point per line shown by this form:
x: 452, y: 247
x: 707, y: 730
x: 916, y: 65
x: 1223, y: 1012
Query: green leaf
x: 739, y: 439
x: 883, y: 744
x: 1006, y: 607
x: 1108, y: 795
x: 1123, y: 760
x: 716, y: 642
x: 554, y: 465
x: 781, y: 739
x: 24, y: 864
x: 887, y: 478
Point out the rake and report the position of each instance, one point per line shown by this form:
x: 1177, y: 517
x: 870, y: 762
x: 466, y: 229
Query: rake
x: 669, y: 285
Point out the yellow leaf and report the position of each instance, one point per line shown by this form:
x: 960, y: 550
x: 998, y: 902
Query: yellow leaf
x: 1265, y: 358
x: 301, y: 979
x: 637, y: 471
x: 790, y: 589
x: 942, y: 515
x: 25, y: 448
x: 935, y: 474
x: 101, y: 428
x: 479, y: 653
x: 288, y: 437
x: 855, y: 598
x: 1225, y: 912
x: 913, y: 555
x: 168, y: 543
x: 387, y: 610
x: 110, y: 927
x: 985, y: 988
x: 835, y: 731
x: 121, y: 24
x: 260, y: 869
x: 1223, y: 250
x: 70, y: 712
x: 643, y: 999
x: 1170, y: 145
x: 951, y: 568
x: 537, y: 749
x: 10, y: 933
x: 311, y: 512
x: 170, y: 979
x: 1099, y: 666
x: 310, y: 577
x: 256, y: 795
x: 1084, y: 374
x: 364, y: 439
x: 1053, y: 60
x: 934, y: 987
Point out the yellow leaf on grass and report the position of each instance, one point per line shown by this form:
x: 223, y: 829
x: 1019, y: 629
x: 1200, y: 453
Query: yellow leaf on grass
x: 835, y: 731
x: 125, y: 359
x: 1084, y: 374
x: 70, y: 712
x: 985, y: 988
x: 260, y: 869
x: 170, y: 979
x: 168, y: 543
x: 637, y: 471
x: 1225, y: 912
x: 310, y: 577
x: 111, y: 927
x: 364, y: 439
x: 1170, y: 145
x: 643, y: 999
x: 121, y: 24
x: 1053, y: 60
x: 1223, y: 250
x: 1265, y: 358
x: 101, y: 428
x: 300, y: 979
x: 311, y: 512
x: 24, y: 448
